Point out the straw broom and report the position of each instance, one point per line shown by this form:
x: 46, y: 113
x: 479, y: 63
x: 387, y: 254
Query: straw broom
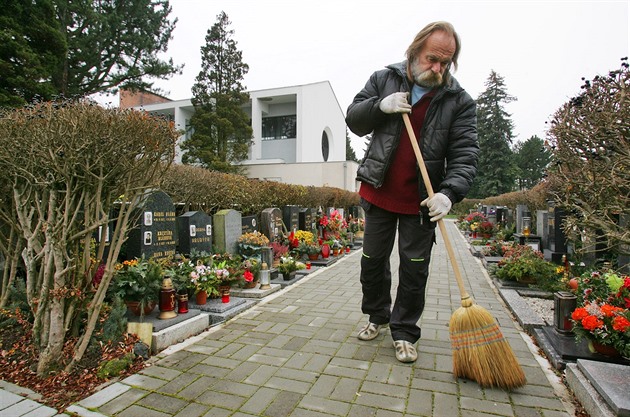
x: 480, y: 352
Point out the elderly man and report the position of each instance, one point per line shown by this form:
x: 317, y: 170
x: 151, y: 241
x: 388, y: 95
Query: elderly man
x: 443, y: 116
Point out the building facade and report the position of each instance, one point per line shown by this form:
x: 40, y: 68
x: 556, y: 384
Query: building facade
x: 299, y: 133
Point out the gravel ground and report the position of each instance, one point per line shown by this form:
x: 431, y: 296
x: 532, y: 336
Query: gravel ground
x: 543, y: 307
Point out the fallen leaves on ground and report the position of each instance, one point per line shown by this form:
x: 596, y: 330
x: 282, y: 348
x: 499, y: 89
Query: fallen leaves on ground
x: 18, y: 365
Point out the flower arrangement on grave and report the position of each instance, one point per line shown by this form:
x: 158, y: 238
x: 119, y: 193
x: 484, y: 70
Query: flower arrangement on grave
x: 603, y: 312
x: 251, y: 275
x: 233, y: 264
x: 497, y: 248
x: 333, y: 224
x: 204, y: 278
x: 179, y: 271
x: 304, y: 236
x: 471, y: 222
x: 289, y: 264
x: 279, y: 250
x: 250, y: 244
x: 486, y: 229
x: 137, y: 281
x: 524, y: 264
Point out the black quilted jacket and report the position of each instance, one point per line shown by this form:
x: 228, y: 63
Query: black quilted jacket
x: 448, y: 140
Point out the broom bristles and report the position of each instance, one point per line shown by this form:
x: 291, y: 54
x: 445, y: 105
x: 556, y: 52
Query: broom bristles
x: 480, y: 352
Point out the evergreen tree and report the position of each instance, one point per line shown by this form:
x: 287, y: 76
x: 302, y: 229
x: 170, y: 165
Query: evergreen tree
x: 77, y: 48
x: 221, y: 131
x: 350, y: 155
x: 27, y: 62
x: 496, y: 170
x: 532, y: 159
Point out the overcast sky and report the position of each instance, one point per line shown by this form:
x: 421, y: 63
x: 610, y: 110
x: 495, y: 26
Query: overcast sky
x: 541, y: 48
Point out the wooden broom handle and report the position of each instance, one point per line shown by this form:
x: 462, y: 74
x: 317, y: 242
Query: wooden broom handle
x: 442, y: 226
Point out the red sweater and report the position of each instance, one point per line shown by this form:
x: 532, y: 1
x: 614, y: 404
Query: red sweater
x: 399, y: 192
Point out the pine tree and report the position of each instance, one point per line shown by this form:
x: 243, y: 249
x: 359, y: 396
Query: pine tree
x: 532, y: 159
x: 350, y: 155
x: 28, y: 62
x: 79, y: 48
x: 496, y: 169
x: 221, y: 131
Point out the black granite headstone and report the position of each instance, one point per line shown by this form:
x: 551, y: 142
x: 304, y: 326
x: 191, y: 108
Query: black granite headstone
x: 154, y: 234
x: 194, y: 232
x: 291, y: 218
x: 557, y: 241
x: 305, y: 221
x: 250, y: 224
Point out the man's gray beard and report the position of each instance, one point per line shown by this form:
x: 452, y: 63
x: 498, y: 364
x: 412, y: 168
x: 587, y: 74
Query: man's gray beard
x: 434, y: 80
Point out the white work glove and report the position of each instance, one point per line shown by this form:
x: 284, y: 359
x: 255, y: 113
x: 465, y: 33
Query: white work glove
x: 395, y: 103
x: 439, y: 205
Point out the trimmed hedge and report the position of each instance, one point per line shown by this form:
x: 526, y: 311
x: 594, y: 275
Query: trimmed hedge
x: 196, y: 188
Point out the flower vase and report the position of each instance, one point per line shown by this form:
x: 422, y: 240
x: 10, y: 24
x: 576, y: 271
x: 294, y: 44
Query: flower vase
x: 138, y: 310
x: 201, y: 297
x: 325, y: 251
x: 603, y: 349
x: 313, y: 256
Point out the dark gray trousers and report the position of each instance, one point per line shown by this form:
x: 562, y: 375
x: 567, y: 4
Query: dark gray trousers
x: 416, y: 235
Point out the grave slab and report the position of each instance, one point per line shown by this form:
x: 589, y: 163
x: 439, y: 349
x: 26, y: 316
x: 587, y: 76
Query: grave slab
x: 612, y: 382
x: 588, y: 396
x: 220, y: 312
x: 179, y: 332
x: 254, y: 292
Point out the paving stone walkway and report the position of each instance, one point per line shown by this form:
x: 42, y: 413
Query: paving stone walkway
x: 296, y: 355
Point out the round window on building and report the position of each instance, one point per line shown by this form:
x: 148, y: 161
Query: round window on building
x: 325, y: 146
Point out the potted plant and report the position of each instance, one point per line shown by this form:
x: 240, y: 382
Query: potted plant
x: 603, y: 312
x: 138, y: 282
x: 288, y: 267
x: 279, y: 250
x: 525, y: 265
x: 250, y: 244
x: 251, y: 275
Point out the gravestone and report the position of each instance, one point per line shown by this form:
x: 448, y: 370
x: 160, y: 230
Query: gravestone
x: 501, y: 214
x: 271, y: 223
x: 492, y: 214
x: 249, y: 224
x: 194, y: 232
x: 541, y: 227
x: 291, y: 218
x: 306, y: 219
x: 556, y: 238
x: 154, y: 233
x: 227, y: 229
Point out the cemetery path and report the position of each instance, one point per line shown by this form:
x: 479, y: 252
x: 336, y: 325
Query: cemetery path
x: 296, y: 354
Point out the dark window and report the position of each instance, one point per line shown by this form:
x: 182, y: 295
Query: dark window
x: 279, y: 127
x: 325, y: 146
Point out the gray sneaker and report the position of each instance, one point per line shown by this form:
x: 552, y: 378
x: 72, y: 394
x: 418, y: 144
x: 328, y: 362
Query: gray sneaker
x: 405, y: 351
x: 370, y: 331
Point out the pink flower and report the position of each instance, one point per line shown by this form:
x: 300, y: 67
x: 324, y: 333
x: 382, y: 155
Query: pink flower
x: 249, y: 277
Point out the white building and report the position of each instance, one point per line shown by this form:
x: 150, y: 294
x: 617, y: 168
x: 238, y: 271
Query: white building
x: 299, y: 133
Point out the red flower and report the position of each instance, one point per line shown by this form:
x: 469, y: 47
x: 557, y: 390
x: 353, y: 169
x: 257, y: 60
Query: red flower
x: 591, y: 323
x: 609, y: 311
x: 249, y: 277
x: 579, y: 313
x: 620, y: 324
